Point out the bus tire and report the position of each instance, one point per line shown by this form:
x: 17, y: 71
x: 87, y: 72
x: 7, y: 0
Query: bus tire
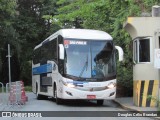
x: 100, y: 102
x: 39, y: 97
x: 58, y: 100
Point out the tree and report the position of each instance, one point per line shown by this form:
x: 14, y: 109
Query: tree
x: 8, y: 35
x: 22, y: 26
x: 109, y: 16
x: 32, y: 29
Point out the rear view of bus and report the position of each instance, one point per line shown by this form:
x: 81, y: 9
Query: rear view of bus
x: 86, y: 66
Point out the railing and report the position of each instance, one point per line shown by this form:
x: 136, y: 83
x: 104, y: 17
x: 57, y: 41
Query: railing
x: 14, y: 95
x: 17, y: 94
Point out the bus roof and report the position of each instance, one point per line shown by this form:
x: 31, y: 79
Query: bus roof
x: 79, y: 34
x: 84, y: 34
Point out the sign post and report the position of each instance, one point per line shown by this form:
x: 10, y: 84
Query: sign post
x: 9, y: 65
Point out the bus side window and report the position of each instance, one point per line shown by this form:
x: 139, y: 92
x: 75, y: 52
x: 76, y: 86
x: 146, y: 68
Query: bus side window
x: 36, y: 56
x: 44, y: 53
x: 48, y: 52
x: 60, y: 62
x: 52, y: 50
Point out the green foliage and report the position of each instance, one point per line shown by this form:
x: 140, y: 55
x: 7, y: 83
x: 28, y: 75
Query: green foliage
x: 26, y: 72
x: 109, y: 16
x: 7, y: 34
x: 33, y: 26
x: 154, y: 99
x: 22, y: 26
x: 7, y: 10
x: 28, y: 88
x: 25, y: 23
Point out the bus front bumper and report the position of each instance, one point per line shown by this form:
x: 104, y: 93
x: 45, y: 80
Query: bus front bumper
x: 74, y: 93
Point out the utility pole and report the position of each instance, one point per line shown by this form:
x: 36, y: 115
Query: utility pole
x: 9, y: 65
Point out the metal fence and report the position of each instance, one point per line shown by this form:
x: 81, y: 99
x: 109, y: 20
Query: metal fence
x: 14, y: 95
x: 17, y: 93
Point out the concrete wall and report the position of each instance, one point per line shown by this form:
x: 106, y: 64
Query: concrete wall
x: 145, y: 77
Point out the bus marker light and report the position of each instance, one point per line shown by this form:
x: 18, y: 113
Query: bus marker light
x: 69, y: 93
x: 111, y: 94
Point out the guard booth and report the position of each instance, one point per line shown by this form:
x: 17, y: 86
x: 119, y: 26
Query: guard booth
x: 145, y: 33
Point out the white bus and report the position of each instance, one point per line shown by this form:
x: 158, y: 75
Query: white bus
x: 76, y: 64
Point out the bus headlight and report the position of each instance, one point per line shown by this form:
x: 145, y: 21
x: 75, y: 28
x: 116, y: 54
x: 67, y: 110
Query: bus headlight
x: 111, y: 85
x: 70, y: 85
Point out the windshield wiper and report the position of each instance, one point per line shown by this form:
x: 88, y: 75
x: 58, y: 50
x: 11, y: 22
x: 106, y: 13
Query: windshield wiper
x: 85, y: 66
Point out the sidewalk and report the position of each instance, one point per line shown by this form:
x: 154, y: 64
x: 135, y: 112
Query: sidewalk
x: 127, y: 103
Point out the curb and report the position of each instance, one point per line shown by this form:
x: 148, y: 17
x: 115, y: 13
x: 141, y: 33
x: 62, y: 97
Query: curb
x: 132, y: 110
x: 125, y: 107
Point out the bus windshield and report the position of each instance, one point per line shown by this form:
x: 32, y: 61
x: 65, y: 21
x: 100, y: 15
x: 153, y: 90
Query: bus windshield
x: 89, y: 59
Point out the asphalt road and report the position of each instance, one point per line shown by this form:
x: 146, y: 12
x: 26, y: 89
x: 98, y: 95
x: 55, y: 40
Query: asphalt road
x: 83, y: 108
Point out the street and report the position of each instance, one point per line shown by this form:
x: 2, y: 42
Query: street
x: 85, y: 107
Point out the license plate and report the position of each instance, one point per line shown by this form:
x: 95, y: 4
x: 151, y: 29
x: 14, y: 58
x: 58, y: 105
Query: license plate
x: 91, y: 97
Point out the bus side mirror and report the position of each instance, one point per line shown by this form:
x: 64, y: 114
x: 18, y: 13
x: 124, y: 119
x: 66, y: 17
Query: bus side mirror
x: 61, y: 51
x: 120, y: 53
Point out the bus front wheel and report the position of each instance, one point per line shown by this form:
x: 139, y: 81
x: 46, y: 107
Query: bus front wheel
x: 39, y: 97
x: 58, y: 100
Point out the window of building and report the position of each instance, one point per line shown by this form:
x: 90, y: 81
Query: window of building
x: 141, y: 50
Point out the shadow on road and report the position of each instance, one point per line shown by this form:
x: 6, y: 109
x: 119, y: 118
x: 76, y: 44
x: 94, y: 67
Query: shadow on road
x: 86, y: 103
